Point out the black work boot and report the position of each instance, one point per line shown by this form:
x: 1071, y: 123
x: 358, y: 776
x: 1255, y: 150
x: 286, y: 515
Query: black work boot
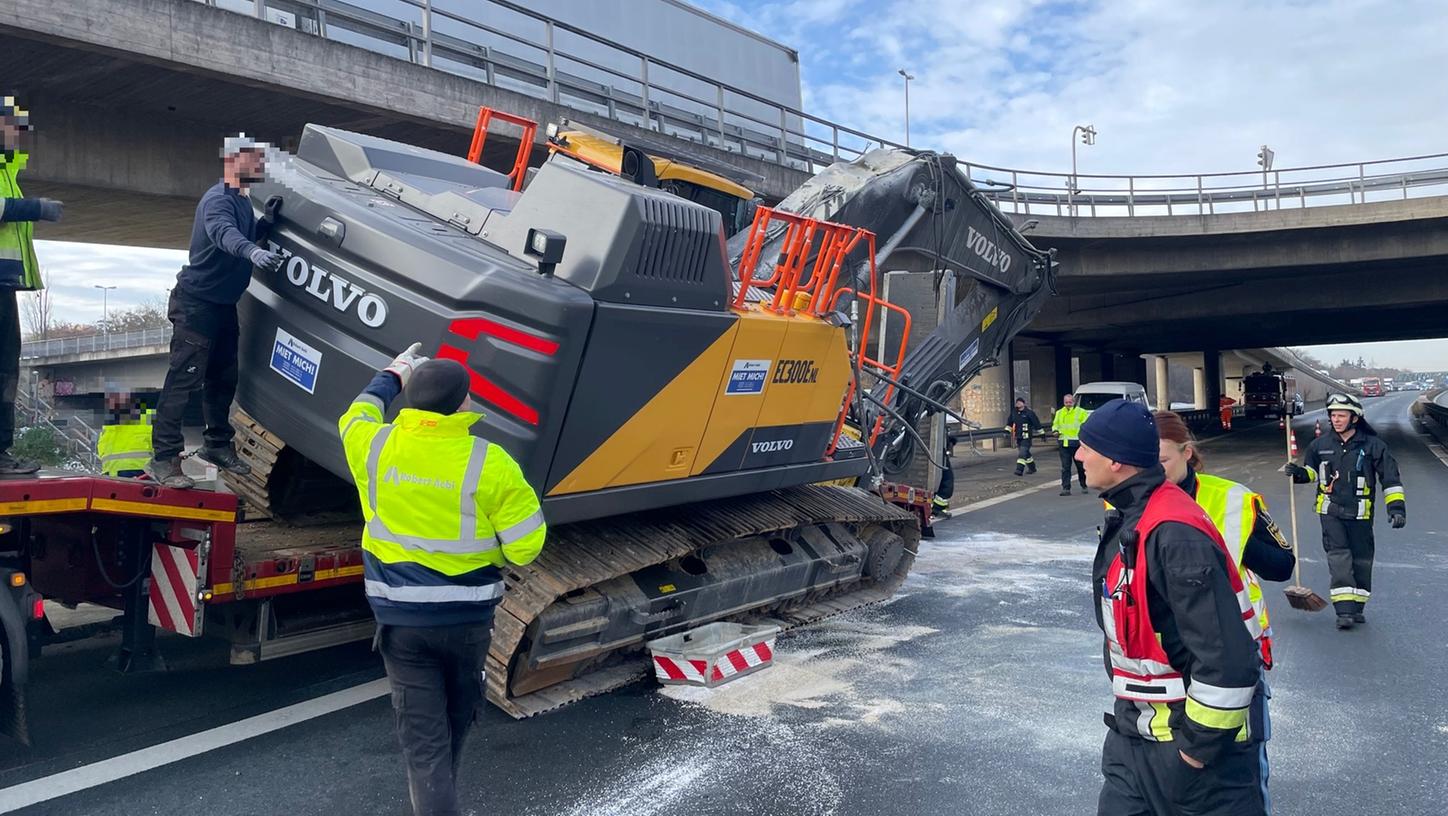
x: 1357, y: 617
x: 1066, y: 492
x: 1345, y: 621
x: 1020, y: 471
x: 168, y: 473
x: 225, y: 459
x: 1030, y: 468
x: 10, y: 466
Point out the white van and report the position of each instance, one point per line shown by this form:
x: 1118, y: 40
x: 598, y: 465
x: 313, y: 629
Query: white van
x: 1091, y: 396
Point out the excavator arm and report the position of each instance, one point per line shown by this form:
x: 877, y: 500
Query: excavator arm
x: 929, y: 218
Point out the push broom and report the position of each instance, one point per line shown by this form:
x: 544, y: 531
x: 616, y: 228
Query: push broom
x: 1299, y: 596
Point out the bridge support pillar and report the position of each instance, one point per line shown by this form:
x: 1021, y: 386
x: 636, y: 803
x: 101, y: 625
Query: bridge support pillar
x: 1199, y: 388
x: 1129, y: 367
x: 1162, y: 379
x: 1097, y: 366
x: 1065, y: 382
x: 1212, y: 372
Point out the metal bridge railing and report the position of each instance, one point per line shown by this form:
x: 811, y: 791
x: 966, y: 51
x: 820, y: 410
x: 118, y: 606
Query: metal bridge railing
x: 90, y: 343
x: 650, y: 93
x: 1025, y: 192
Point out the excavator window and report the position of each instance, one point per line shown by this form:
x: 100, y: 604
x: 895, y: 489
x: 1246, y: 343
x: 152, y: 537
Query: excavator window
x: 736, y: 212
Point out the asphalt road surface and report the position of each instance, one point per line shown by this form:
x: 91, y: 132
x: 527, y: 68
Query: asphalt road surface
x: 977, y: 690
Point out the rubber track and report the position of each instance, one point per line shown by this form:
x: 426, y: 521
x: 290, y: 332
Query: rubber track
x: 587, y: 553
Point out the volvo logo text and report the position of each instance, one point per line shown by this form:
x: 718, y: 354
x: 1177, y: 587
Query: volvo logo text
x: 988, y: 252
x: 771, y: 447
x: 330, y: 288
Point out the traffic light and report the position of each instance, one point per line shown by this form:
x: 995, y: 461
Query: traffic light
x: 1264, y: 157
x: 1088, y: 134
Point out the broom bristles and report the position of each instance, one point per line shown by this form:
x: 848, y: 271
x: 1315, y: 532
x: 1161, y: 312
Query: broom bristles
x: 1301, y: 597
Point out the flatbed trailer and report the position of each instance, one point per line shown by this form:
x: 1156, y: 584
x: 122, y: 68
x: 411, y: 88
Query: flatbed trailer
x: 166, y: 559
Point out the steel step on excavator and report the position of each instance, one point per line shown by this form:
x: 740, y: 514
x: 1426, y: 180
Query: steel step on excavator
x: 686, y: 405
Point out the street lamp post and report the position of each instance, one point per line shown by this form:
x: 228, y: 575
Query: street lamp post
x: 908, y: 76
x: 105, y: 312
x: 1088, y: 137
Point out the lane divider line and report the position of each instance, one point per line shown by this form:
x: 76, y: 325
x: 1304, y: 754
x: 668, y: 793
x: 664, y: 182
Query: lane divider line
x: 75, y: 780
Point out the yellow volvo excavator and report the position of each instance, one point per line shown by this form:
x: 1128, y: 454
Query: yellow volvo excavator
x: 674, y: 395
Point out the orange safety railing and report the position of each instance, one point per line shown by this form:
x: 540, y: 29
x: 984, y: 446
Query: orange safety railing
x: 486, y: 115
x: 804, y: 275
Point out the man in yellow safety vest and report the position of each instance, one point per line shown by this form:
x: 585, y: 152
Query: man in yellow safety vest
x: 445, y: 511
x: 1067, y: 425
x: 124, y: 444
x: 19, y: 271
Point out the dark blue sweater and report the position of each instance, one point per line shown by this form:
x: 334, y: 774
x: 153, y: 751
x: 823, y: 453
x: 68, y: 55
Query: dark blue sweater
x: 222, y: 237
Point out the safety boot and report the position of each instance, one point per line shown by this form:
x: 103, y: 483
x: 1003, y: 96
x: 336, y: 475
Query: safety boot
x: 1357, y: 617
x: 168, y: 473
x: 1020, y: 471
x: 1066, y: 492
x: 1345, y: 621
x: 1031, y: 468
x: 225, y: 459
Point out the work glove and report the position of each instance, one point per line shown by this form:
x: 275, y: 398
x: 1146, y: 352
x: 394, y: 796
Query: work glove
x: 1298, y: 473
x: 1397, y: 518
x: 50, y: 209
x: 405, y: 363
x: 266, y: 260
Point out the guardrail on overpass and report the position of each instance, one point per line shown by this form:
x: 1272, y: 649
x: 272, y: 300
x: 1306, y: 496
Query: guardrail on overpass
x: 1029, y: 192
x: 653, y: 94
x: 94, y: 343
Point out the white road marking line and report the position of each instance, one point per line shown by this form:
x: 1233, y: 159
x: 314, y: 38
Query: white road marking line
x: 971, y: 508
x: 54, y: 786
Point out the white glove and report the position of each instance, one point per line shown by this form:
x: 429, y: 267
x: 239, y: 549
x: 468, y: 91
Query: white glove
x: 405, y: 363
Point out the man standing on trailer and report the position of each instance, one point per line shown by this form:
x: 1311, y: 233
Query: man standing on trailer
x: 19, y: 270
x: 444, y: 511
x: 226, y: 242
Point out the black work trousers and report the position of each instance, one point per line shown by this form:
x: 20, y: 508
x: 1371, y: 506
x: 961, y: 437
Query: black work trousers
x: 1144, y: 778
x: 1024, y: 460
x: 203, y: 355
x: 9, y: 365
x: 1349, y: 546
x: 1068, y: 458
x: 437, y: 677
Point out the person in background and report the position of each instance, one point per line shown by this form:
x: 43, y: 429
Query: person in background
x: 1224, y: 411
x: 124, y: 443
x: 1348, y: 465
x: 1024, y: 426
x: 1067, y: 425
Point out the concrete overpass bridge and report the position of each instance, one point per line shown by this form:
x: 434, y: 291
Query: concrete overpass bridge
x: 132, y: 97
x: 1218, y: 272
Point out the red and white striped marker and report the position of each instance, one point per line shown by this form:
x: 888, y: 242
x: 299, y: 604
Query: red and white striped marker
x: 724, y: 667
x: 740, y: 660
x: 173, y: 589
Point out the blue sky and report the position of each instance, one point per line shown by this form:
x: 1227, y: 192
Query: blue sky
x: 1172, y: 86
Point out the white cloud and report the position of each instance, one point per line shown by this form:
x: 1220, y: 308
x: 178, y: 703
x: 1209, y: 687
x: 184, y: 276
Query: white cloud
x: 73, y: 270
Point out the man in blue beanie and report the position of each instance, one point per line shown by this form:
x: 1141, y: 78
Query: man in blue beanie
x: 1183, y: 668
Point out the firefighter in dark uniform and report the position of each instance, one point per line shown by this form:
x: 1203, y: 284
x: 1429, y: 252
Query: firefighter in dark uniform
x: 1024, y: 426
x: 1184, y: 670
x: 1348, y: 465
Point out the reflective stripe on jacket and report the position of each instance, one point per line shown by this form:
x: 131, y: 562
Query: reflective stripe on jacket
x: 18, y: 266
x: 1233, y: 509
x: 443, y: 509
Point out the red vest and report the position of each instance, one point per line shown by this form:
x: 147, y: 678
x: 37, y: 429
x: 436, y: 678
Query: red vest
x: 1139, y: 666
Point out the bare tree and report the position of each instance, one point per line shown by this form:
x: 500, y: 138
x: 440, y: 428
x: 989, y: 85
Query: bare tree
x: 148, y: 314
x: 36, y: 312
